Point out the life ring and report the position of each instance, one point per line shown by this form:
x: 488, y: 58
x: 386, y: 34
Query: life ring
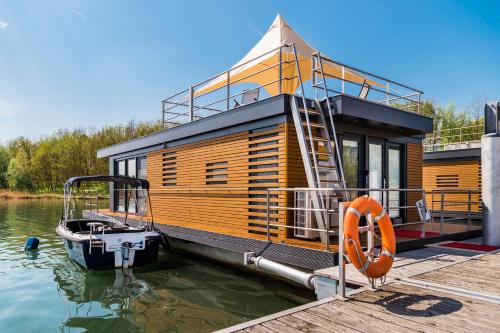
x: 379, y: 267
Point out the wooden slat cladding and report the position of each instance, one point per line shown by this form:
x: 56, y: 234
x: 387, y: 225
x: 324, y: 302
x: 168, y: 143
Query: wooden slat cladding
x: 263, y: 173
x: 453, y: 174
x: 447, y: 180
x: 414, y: 153
x: 169, y: 168
x: 220, y: 183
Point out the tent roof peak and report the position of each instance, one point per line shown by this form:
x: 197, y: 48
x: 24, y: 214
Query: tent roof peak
x: 279, y: 22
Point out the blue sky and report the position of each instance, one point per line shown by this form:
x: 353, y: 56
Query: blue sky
x: 69, y: 63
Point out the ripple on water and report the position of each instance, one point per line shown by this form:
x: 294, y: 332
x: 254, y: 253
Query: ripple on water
x: 177, y: 294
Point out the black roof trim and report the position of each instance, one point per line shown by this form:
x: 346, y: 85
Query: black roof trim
x: 133, y: 182
x: 452, y: 155
x: 266, y: 108
x: 366, y: 113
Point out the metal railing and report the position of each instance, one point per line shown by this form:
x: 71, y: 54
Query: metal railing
x: 194, y: 103
x: 454, y: 138
x: 389, y: 203
x: 384, y: 91
x: 454, y: 204
x: 335, y: 213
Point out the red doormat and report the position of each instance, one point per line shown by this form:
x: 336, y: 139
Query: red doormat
x: 470, y: 246
x: 413, y: 233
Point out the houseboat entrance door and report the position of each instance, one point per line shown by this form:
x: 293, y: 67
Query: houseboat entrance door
x: 384, y: 171
x: 393, y: 160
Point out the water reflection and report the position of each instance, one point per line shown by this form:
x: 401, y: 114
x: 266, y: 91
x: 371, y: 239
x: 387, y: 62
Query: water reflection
x: 176, y: 294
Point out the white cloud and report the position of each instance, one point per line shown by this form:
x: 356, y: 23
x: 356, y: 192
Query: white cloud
x: 3, y: 24
x: 76, y: 12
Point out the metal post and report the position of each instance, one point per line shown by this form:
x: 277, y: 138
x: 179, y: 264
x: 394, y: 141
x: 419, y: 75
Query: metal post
x: 432, y: 209
x: 228, y: 91
x: 441, y: 226
x: 280, y: 73
x: 387, y: 95
x: 343, y: 79
x: 423, y: 218
x: 341, y: 285
x: 162, y: 115
x: 370, y: 238
x: 468, y: 210
x: 418, y: 105
x: 191, y: 116
x: 267, y: 216
x: 327, y: 227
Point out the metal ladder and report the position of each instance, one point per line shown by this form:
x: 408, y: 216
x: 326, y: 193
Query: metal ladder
x: 317, y: 68
x: 318, y: 154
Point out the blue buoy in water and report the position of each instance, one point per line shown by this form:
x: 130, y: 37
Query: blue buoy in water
x: 31, y: 244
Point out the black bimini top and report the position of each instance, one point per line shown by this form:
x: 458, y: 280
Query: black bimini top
x: 133, y: 182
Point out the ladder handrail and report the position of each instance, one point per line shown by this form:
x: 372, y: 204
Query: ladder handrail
x: 330, y: 113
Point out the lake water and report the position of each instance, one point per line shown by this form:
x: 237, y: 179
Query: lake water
x: 44, y: 291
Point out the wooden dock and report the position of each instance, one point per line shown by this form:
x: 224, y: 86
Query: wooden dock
x: 430, y: 290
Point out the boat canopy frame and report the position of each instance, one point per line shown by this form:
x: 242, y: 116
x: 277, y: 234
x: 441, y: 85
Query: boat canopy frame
x: 135, y: 184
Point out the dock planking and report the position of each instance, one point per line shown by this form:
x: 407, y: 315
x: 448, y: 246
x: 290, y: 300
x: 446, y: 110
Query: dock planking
x: 407, y: 264
x: 402, y: 307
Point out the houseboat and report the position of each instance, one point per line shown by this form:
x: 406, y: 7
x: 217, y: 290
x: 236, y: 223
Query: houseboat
x: 452, y: 174
x: 258, y: 158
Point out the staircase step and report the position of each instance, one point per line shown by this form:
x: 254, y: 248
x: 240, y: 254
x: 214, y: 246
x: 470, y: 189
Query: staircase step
x: 320, y: 139
x: 326, y: 167
x: 310, y: 111
x: 321, y: 154
x: 314, y: 125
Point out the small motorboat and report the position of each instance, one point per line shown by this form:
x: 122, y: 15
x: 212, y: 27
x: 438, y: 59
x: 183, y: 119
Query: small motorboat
x: 98, y: 241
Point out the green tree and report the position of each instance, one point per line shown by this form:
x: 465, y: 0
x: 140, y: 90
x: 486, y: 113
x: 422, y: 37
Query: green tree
x: 18, y: 173
x: 4, y: 165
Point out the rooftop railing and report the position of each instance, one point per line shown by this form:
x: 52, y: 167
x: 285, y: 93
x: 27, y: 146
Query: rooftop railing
x: 454, y: 138
x: 229, y: 92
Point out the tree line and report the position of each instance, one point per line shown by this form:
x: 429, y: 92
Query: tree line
x: 44, y: 164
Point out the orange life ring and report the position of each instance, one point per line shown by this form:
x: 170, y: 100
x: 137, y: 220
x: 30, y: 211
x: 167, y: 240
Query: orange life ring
x: 372, y: 269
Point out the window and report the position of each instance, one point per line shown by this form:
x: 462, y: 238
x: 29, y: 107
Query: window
x: 131, y: 167
x: 120, y: 189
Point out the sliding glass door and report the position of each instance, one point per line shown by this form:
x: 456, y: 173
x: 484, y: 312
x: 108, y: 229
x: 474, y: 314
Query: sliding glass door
x: 125, y: 200
x: 351, y: 154
x: 375, y: 168
x: 385, y: 172
x: 394, y: 178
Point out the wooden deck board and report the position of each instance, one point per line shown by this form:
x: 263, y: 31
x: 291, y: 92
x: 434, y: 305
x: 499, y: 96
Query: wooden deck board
x: 396, y: 307
x: 467, y: 275
x: 407, y: 264
x: 402, y: 307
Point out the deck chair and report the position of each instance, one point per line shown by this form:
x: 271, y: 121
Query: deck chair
x: 248, y: 97
x: 365, y: 89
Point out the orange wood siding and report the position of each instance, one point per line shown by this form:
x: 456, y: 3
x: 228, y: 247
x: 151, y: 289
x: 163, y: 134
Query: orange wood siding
x: 414, y: 154
x: 456, y: 174
x: 246, y: 163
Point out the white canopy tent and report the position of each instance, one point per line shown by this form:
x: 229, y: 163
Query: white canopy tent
x: 261, y: 64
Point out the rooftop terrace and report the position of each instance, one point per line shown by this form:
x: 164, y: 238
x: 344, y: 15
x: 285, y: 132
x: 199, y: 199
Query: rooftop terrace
x: 283, y: 63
